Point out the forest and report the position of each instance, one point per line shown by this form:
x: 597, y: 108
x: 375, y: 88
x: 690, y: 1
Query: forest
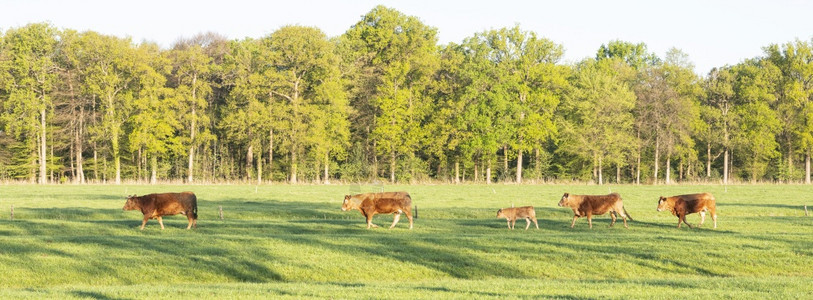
x: 385, y: 102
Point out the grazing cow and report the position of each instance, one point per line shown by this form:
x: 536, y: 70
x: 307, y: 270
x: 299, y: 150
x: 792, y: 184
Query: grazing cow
x: 154, y: 206
x: 511, y: 215
x: 683, y: 205
x: 589, y: 205
x: 380, y: 203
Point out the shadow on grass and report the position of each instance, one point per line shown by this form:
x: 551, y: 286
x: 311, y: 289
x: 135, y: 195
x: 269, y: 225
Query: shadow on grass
x: 799, y: 207
x: 93, y: 295
x: 195, y: 255
x: 432, y: 253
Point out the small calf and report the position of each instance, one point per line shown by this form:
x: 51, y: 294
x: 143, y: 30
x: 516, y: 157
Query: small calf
x: 511, y: 215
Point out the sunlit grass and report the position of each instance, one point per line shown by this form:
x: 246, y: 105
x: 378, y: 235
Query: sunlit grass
x: 294, y: 241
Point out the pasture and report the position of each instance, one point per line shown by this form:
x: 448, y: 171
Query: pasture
x: 293, y: 241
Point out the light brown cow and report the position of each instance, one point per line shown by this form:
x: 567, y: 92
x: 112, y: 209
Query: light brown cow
x: 370, y: 204
x: 683, y: 205
x: 154, y: 206
x: 589, y: 205
x: 511, y: 215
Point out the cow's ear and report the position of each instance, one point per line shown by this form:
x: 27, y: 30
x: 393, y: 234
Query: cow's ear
x: 566, y: 195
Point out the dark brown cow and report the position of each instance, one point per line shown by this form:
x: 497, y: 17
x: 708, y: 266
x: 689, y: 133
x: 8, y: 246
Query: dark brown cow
x: 589, y: 205
x: 154, y: 206
x: 683, y: 205
x: 511, y: 215
x: 380, y: 203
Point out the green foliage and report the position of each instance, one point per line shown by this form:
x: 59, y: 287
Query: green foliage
x: 399, y: 52
x: 597, y: 122
x: 635, y: 55
x: 384, y: 97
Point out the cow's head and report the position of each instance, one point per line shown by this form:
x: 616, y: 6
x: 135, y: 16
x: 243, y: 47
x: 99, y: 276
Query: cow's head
x: 663, y: 204
x: 132, y: 203
x: 346, y: 203
x: 500, y: 214
x: 564, y: 200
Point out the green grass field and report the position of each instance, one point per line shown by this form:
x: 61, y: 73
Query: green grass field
x: 283, y: 241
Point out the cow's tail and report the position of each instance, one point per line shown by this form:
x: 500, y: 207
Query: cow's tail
x: 194, y: 207
x: 626, y: 213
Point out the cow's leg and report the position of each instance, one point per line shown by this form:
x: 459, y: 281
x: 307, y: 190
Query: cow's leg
x: 189, y: 218
x: 590, y: 220
x: 714, y: 218
x: 395, y: 219
x: 161, y: 222
x: 702, y: 218
x: 683, y: 219
x: 513, y: 223
x: 614, y: 217
x: 624, y: 218
x: 535, y: 223
x: 144, y: 222
x: 574, y: 221
x: 508, y: 222
x: 409, y: 216
x: 370, y: 221
x: 527, y: 223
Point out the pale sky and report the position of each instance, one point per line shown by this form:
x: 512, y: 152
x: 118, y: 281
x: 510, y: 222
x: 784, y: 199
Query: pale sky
x: 712, y: 33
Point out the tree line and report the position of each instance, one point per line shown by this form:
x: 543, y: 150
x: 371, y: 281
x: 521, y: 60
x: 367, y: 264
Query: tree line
x: 385, y: 101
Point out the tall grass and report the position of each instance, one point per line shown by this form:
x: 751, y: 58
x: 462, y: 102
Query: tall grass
x: 293, y: 241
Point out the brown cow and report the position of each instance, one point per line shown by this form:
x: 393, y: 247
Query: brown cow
x: 683, y: 205
x: 511, y: 215
x: 154, y: 206
x: 380, y: 203
x: 589, y: 205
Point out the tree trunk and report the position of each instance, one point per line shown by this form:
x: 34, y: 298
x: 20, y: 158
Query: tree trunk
x: 476, y: 173
x: 505, y: 161
x: 392, y: 167
x: 456, y: 171
x: 249, y: 160
x: 375, y: 160
x: 154, y: 166
x: 260, y: 165
x: 657, y: 153
x: 327, y: 163
x: 790, y: 162
x: 725, y: 166
x: 617, y: 173
x: 95, y: 163
x: 600, y: 177
x: 519, y: 166
x: 668, y: 169
x: 138, y: 164
x: 680, y: 171
x: 595, y: 168
x: 708, y: 160
x: 537, y: 166
x: 293, y: 167
x: 807, y: 167
x: 80, y: 161
x: 192, y: 130
x: 117, y: 159
x: 638, y: 161
x: 43, y: 147
x: 271, y: 155
x: 488, y: 172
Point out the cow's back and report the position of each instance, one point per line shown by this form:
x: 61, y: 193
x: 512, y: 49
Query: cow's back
x: 520, y: 212
x: 175, y: 203
x: 388, y: 202
x: 697, y: 202
x: 599, y: 204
